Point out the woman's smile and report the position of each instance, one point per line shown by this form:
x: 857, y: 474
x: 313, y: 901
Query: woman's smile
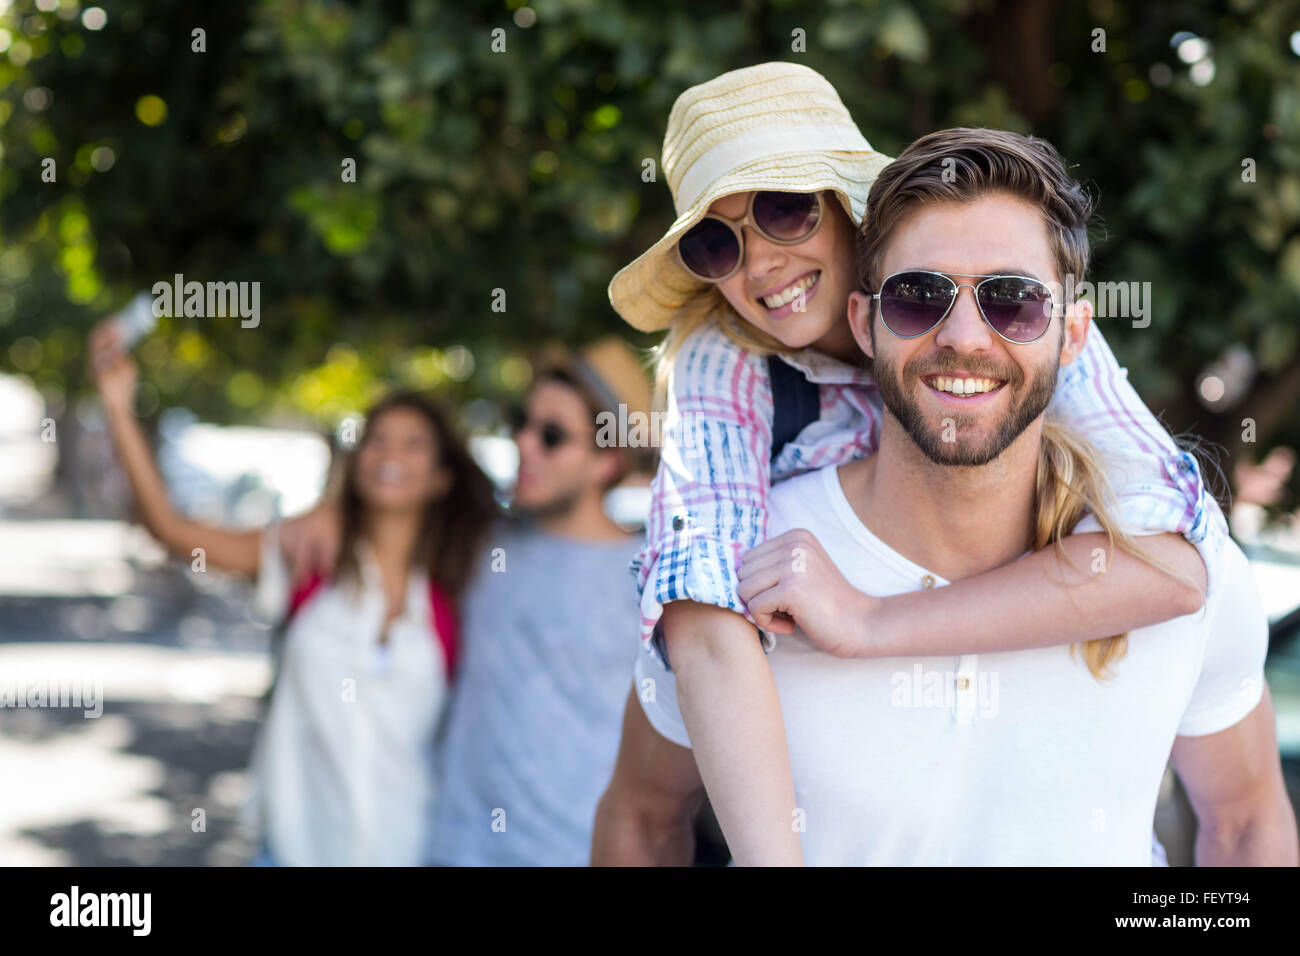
x: 791, y: 297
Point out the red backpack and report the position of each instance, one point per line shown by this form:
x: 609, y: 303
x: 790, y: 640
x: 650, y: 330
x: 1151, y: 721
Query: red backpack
x: 441, y: 611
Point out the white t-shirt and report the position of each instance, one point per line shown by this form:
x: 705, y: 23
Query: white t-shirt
x: 343, y: 770
x: 1012, y: 758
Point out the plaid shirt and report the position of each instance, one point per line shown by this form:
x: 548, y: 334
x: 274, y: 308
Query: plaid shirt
x: 710, y: 493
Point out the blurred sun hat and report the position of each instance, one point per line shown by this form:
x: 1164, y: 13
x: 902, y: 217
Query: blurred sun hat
x: 774, y: 126
x: 608, y: 370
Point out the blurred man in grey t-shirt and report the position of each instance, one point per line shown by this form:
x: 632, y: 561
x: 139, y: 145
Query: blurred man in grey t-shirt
x: 549, y: 632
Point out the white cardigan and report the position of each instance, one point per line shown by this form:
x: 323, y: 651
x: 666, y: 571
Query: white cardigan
x: 343, y: 770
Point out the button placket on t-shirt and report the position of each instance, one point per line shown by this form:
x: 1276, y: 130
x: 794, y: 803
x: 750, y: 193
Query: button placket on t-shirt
x: 966, y: 692
x: 965, y: 686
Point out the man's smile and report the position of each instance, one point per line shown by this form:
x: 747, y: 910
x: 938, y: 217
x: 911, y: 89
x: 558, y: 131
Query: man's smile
x: 963, y: 389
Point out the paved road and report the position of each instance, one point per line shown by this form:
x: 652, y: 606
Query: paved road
x: 181, y: 666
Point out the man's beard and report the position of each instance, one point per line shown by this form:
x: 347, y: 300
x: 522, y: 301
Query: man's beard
x: 559, y: 506
x: 897, y: 394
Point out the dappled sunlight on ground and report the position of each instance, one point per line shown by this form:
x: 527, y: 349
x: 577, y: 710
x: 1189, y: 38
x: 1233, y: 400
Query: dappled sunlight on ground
x: 124, y: 788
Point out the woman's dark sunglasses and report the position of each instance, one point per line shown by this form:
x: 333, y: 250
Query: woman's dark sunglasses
x: 714, y: 248
x: 1017, y: 308
x: 551, y: 435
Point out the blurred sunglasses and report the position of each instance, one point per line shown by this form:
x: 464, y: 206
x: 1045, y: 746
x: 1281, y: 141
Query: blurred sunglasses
x: 550, y: 434
x: 714, y: 248
x: 1017, y: 308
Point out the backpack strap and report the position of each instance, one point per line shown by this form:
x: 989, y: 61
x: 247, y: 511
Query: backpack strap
x: 303, y: 593
x: 442, y: 611
x: 795, y: 402
x: 299, y: 596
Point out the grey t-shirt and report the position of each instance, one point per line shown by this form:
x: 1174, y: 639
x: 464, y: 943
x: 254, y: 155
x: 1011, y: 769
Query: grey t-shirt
x: 549, y: 637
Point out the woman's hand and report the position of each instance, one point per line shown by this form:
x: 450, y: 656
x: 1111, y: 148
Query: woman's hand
x: 114, y: 373
x: 111, y: 367
x: 790, y: 580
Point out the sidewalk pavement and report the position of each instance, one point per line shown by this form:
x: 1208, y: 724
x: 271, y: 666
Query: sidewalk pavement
x: 180, y: 668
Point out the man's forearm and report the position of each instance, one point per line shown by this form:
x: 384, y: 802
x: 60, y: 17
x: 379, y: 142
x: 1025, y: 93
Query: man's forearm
x: 1269, y: 840
x: 1235, y: 785
x: 627, y: 834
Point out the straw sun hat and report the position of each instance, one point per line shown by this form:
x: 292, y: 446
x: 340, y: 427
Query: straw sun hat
x: 777, y: 126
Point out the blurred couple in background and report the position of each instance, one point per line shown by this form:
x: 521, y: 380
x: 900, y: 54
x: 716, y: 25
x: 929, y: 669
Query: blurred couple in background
x: 451, y: 673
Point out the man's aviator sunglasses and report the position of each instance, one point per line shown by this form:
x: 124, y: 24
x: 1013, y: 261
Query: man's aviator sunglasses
x: 1017, y: 308
x: 713, y: 250
x: 551, y: 434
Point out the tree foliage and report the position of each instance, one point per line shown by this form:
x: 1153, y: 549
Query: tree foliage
x: 522, y: 170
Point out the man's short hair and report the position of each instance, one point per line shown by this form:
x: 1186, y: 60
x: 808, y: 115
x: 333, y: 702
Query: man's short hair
x: 963, y: 164
x: 596, y: 406
x: 609, y: 376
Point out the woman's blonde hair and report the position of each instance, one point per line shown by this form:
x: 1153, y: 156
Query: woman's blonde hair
x: 708, y: 307
x: 1071, y: 482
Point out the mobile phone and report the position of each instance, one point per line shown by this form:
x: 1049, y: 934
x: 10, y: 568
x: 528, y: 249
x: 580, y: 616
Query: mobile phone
x: 137, y: 320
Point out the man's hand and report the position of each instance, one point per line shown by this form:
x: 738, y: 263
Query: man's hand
x: 310, y: 543
x: 790, y: 580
